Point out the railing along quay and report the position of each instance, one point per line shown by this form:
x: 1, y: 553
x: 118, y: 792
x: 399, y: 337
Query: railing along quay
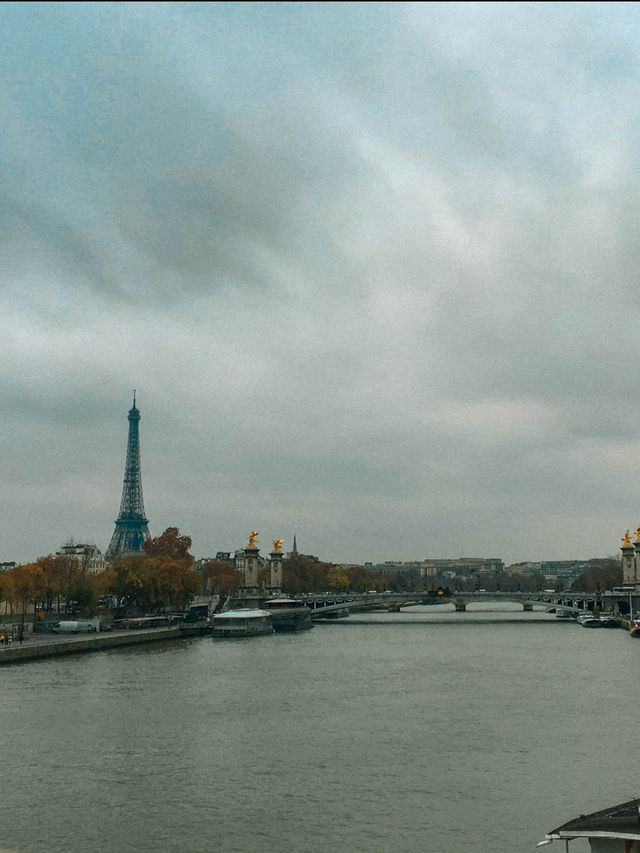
x: 40, y: 646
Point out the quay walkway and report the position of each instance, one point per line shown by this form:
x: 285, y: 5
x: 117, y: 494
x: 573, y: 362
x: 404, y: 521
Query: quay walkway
x: 49, y: 645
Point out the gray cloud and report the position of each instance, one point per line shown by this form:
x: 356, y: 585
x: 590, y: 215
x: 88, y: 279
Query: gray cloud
x: 370, y: 267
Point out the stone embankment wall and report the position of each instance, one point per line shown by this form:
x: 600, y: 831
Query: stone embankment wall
x: 44, y: 646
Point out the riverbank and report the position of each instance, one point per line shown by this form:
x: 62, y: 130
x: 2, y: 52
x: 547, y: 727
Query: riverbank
x: 48, y: 645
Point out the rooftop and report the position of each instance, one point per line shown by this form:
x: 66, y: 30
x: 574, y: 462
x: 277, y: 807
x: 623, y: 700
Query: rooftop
x: 621, y: 821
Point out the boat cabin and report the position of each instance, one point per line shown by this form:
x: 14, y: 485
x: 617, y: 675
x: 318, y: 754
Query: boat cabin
x: 612, y: 830
x: 244, y: 622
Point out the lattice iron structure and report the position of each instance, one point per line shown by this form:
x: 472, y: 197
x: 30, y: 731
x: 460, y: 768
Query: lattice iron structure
x: 131, y: 524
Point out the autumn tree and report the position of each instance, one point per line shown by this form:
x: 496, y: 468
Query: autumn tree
x: 124, y: 580
x: 28, y: 583
x: 169, y: 544
x: 220, y: 577
x: 55, y: 572
x: 7, y: 590
x: 337, y: 578
x: 84, y: 592
x: 169, y: 582
x: 160, y: 578
x: 304, y: 574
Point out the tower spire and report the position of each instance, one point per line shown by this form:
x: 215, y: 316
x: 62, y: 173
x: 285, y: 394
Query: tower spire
x: 131, y: 524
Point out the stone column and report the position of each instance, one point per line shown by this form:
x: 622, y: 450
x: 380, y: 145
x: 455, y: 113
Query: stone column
x: 276, y: 571
x: 251, y: 568
x: 630, y: 558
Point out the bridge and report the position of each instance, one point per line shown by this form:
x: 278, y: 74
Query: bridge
x: 336, y: 605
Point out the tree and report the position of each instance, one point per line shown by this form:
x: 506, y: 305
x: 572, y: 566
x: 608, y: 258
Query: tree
x: 169, y: 582
x: 264, y: 576
x: 28, y: 583
x: 85, y: 593
x: 220, y: 577
x: 599, y: 575
x: 397, y: 582
x: 304, y: 574
x: 125, y: 581
x: 169, y: 544
x: 53, y: 568
x: 337, y: 578
x: 7, y: 590
x: 143, y: 584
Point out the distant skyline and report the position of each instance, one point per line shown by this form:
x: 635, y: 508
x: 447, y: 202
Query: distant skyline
x: 372, y: 269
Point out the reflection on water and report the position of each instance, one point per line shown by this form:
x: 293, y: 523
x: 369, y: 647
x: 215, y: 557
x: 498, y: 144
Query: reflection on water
x: 435, y: 731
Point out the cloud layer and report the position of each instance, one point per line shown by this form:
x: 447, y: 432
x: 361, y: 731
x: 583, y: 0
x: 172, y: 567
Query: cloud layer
x: 371, y: 268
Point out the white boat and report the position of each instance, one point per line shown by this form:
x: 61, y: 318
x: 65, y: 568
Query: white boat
x: 244, y: 622
x: 612, y: 830
x: 589, y: 620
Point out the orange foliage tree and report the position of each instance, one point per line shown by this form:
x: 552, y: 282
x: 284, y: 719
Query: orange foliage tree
x: 159, y: 579
x: 28, y: 583
x: 169, y: 544
x: 220, y: 577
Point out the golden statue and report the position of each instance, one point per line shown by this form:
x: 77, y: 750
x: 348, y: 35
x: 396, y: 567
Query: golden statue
x: 253, y: 539
x: 638, y: 535
x: 277, y: 546
x: 626, y: 539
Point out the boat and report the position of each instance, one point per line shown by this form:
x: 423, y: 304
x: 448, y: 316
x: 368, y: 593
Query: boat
x: 562, y: 614
x: 609, y: 621
x: 612, y: 830
x: 589, y: 620
x: 198, y: 617
x: 243, y: 622
x: 288, y: 614
x: 634, y: 627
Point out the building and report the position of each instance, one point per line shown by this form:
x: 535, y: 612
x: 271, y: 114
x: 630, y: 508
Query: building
x: 88, y: 557
x: 461, y: 566
x: 393, y: 567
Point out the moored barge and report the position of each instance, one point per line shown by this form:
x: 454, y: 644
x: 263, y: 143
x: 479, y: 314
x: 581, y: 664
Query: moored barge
x: 243, y: 622
x: 289, y: 614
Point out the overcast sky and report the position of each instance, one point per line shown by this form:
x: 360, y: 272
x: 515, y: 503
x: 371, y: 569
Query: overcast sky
x: 372, y: 268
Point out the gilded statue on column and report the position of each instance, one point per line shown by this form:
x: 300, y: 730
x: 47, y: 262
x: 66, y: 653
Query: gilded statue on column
x: 277, y: 546
x: 253, y: 539
x: 626, y: 539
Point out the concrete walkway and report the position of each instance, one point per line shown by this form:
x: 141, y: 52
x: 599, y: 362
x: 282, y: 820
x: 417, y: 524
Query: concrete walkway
x: 48, y: 645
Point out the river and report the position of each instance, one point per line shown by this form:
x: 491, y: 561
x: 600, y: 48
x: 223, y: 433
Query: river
x: 420, y: 731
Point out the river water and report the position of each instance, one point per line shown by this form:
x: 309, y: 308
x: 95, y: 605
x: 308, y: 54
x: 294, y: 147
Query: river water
x: 421, y: 731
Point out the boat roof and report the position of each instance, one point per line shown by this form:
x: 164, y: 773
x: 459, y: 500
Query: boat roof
x: 621, y: 821
x: 241, y: 613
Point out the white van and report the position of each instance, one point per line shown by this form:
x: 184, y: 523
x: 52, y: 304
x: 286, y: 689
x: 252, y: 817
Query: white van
x: 84, y: 627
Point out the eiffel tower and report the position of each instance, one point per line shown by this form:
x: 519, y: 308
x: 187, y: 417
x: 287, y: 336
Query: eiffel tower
x: 131, y: 525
